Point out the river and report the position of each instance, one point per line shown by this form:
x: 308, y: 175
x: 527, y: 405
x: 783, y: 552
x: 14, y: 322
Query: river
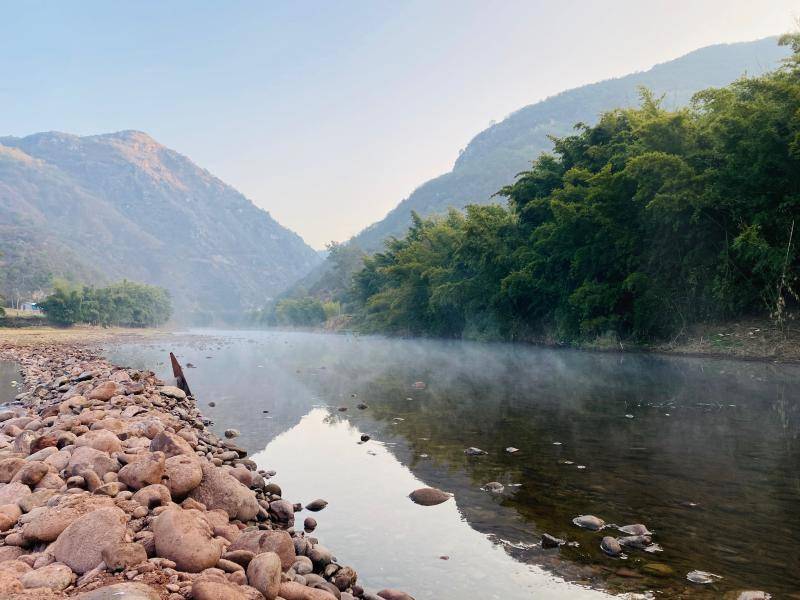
x: 704, y: 452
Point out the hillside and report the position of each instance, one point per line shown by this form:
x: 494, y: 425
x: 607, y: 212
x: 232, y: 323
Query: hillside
x: 497, y: 154
x: 104, y: 207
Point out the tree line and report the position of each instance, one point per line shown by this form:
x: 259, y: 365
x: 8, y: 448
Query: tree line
x: 122, y: 304
x: 638, y: 226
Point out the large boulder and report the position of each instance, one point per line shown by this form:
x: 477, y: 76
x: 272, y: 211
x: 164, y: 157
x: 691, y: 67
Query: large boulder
x: 86, y: 457
x: 206, y: 589
x: 49, y: 524
x: 12, y: 493
x: 101, y: 439
x: 291, y: 590
x: 186, y: 538
x: 146, y: 470
x: 170, y: 444
x: 264, y: 574
x: 219, y: 489
x: 183, y: 474
x: 55, y: 576
x: 257, y: 542
x: 80, y: 545
x: 9, y: 468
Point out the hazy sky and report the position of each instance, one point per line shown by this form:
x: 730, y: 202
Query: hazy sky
x: 329, y: 113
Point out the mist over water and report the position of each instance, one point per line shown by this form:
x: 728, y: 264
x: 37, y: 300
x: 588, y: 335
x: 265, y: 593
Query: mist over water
x: 704, y: 452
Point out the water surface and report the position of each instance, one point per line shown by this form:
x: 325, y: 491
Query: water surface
x: 9, y: 378
x: 704, y: 452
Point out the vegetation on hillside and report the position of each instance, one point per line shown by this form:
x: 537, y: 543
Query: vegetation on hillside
x: 646, y: 222
x: 123, y: 304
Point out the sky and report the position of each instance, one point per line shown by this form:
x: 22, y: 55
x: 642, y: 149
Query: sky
x: 327, y: 114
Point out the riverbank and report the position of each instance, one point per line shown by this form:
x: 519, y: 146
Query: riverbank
x: 111, y: 485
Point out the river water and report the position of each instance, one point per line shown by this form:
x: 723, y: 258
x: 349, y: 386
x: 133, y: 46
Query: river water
x: 9, y: 380
x: 704, y: 452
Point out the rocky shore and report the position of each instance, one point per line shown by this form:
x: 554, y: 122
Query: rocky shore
x: 112, y: 487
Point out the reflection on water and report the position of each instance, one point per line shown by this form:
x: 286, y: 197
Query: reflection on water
x: 704, y: 452
x: 9, y: 376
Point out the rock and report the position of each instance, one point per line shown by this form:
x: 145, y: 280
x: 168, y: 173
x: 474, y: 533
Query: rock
x: 6, y: 522
x: 365, y: 437
x: 264, y: 574
x: 316, y: 505
x: 206, y: 589
x: 702, y: 577
x: 81, y: 544
x: 86, y: 457
x: 291, y: 590
x: 185, y: 537
x: 182, y: 474
x: 170, y: 444
x: 49, y: 524
x: 170, y: 391
x: 473, y: 451
x: 303, y: 565
x: 747, y: 595
x: 589, y: 522
x: 394, y: 595
x: 658, y: 570
x: 55, y: 576
x: 12, y: 493
x: 549, y: 541
x: 9, y: 584
x: 9, y: 468
x: 31, y: 473
x: 610, y: 546
x: 279, y: 542
x: 320, y: 556
x: 240, y: 557
x: 345, y: 578
x: 636, y: 541
x: 10, y: 553
x: 283, y: 511
x: 101, y: 439
x: 104, y: 391
x: 637, y: 529
x: 494, y: 487
x: 122, y: 555
x: 512, y: 450
x: 219, y: 489
x: 147, y: 470
x: 231, y: 433
x: 152, y: 496
x: 121, y: 591
x: 429, y: 496
x: 310, y: 524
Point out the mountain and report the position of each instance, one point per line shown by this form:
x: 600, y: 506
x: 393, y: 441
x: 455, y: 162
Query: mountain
x: 121, y: 205
x: 497, y: 154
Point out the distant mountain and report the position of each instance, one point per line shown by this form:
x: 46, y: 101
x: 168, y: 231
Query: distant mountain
x: 497, y: 154
x: 121, y: 205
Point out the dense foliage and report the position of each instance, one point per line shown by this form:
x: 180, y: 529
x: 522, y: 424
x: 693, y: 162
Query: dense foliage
x: 638, y: 226
x: 123, y: 304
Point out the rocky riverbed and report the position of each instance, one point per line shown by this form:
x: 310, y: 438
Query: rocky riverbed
x: 111, y: 486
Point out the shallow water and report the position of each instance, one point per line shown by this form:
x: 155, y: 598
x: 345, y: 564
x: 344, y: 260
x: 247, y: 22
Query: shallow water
x: 9, y: 376
x: 704, y: 452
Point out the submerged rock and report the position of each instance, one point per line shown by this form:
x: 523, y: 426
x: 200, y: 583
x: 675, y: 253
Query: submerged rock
x: 702, y: 577
x: 589, y: 522
x: 550, y: 541
x: 429, y: 496
x: 473, y: 451
x: 611, y: 546
x: 636, y: 529
x: 494, y: 486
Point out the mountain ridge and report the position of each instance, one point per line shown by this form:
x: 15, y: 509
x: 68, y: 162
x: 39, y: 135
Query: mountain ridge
x: 123, y: 205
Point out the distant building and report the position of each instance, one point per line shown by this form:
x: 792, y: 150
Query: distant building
x: 30, y: 307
